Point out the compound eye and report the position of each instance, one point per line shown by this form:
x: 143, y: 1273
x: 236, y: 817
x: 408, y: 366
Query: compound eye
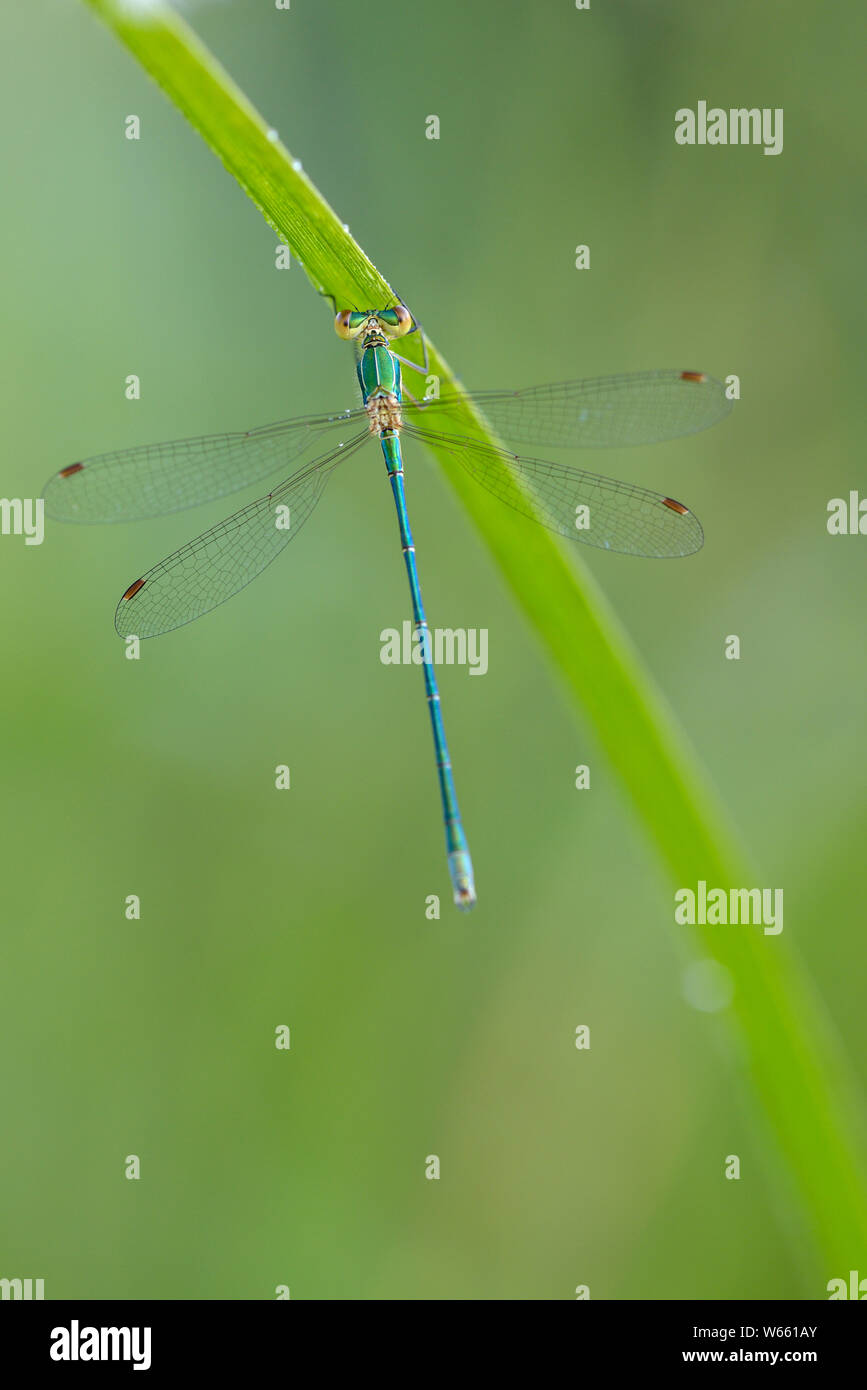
x: 343, y: 324
x: 404, y: 318
x: 397, y: 321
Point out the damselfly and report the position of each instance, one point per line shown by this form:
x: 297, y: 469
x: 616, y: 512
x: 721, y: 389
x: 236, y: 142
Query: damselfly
x: 161, y: 478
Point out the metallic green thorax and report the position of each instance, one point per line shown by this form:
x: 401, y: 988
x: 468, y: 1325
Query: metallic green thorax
x: 378, y: 369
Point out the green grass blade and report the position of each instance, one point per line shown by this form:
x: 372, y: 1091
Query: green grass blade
x: 787, y: 1048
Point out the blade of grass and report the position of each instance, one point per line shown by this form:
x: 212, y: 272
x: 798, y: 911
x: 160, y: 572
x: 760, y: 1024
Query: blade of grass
x: 787, y: 1048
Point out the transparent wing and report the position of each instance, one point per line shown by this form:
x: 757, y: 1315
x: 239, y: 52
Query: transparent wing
x: 213, y: 567
x: 581, y: 506
x: 639, y: 408
x: 156, y: 479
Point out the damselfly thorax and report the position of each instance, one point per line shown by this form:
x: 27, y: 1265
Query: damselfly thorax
x: 377, y: 367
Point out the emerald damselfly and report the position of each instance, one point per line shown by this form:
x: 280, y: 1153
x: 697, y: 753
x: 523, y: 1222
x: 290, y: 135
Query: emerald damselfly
x: 639, y: 408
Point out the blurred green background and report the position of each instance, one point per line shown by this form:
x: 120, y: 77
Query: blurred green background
x: 306, y: 908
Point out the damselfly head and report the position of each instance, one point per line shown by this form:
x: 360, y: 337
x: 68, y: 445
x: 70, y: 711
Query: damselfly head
x: 361, y: 324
